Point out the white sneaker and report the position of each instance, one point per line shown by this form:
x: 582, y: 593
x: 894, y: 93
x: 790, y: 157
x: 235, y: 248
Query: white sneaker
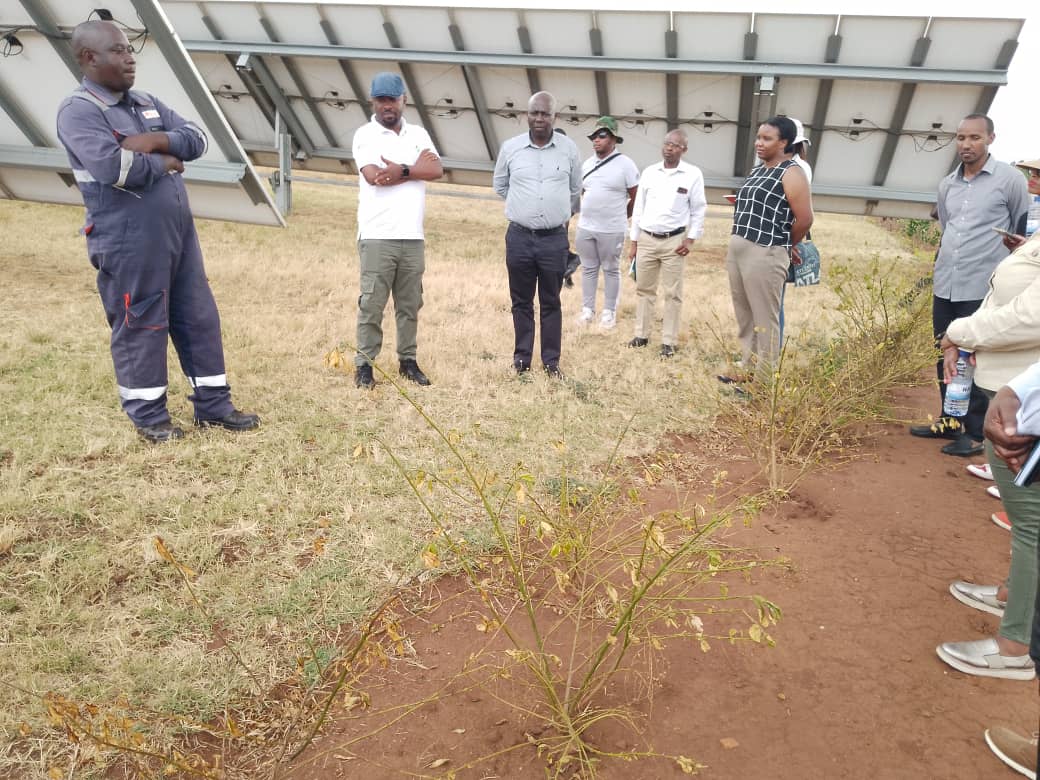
x: 608, y: 320
x: 587, y: 316
x: 980, y: 470
x: 1014, y: 749
x: 994, y: 491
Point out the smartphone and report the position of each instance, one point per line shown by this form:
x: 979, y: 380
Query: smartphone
x: 1005, y: 233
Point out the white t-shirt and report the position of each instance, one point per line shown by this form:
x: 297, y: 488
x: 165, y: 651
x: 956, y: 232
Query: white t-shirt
x: 397, y: 211
x: 604, y: 204
x: 804, y: 165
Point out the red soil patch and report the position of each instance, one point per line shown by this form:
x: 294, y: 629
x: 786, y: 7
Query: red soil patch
x: 853, y: 688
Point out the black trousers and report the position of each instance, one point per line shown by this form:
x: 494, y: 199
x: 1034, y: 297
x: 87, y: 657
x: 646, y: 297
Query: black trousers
x: 943, y: 313
x: 535, y: 265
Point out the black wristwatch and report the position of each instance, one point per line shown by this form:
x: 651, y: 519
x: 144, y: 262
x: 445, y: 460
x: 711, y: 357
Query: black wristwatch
x: 405, y: 170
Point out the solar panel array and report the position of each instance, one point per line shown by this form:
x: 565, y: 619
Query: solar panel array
x: 37, y: 72
x: 880, y: 97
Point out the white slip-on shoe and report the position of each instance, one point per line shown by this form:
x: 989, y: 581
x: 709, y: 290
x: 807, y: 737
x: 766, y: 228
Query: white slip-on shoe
x: 982, y: 597
x: 608, y: 320
x: 1014, y: 749
x: 586, y: 316
x: 982, y: 658
x: 980, y: 470
x: 1001, y: 519
x: 994, y: 491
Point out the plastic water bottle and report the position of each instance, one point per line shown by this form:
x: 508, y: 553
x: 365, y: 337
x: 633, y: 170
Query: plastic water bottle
x: 958, y: 392
x: 1033, y: 218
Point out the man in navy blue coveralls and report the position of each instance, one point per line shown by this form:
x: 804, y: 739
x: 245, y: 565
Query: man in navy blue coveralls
x: 127, y: 152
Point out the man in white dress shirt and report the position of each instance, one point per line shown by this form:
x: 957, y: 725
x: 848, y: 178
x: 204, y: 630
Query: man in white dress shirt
x: 668, y: 216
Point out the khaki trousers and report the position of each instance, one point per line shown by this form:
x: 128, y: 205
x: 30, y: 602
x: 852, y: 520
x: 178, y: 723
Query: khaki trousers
x: 756, y: 280
x: 657, y: 263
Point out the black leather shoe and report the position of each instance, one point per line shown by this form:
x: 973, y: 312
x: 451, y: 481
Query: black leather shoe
x: 638, y: 342
x: 160, y: 432
x: 410, y: 370
x: 667, y: 350
x: 363, y: 377
x: 521, y: 368
x: 236, y: 421
x: 940, y: 429
x: 554, y: 371
x: 964, y: 447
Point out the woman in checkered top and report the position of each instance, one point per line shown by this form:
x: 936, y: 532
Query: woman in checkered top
x: 772, y: 214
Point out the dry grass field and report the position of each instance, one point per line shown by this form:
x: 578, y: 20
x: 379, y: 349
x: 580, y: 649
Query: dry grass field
x: 293, y: 532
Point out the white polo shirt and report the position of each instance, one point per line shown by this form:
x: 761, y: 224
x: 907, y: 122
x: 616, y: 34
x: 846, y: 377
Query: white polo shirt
x: 397, y: 211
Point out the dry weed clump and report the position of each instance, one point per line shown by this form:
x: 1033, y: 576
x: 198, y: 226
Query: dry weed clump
x: 825, y: 390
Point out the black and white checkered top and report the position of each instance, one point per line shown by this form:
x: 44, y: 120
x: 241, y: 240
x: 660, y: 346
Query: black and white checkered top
x: 762, y: 214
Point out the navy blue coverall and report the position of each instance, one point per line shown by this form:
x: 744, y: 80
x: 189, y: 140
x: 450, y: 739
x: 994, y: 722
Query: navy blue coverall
x: 141, y: 239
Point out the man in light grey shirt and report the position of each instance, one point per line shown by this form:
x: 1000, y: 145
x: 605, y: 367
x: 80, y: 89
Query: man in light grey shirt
x: 539, y: 175
x: 979, y: 195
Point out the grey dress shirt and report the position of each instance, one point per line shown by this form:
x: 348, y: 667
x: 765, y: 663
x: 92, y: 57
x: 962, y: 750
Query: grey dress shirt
x: 968, y: 210
x: 541, y: 185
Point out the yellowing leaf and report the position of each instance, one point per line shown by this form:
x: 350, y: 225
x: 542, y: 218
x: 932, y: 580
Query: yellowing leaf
x: 612, y: 593
x: 755, y: 632
x: 521, y: 493
x: 430, y: 559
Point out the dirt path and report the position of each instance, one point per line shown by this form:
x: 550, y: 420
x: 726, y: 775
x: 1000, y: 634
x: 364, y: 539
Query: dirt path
x: 852, y: 690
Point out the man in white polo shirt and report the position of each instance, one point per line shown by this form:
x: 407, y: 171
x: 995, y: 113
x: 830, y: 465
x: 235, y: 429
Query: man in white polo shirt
x: 667, y: 217
x: 395, y: 160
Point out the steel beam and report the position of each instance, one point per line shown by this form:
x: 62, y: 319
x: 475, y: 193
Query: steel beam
x: 476, y: 94
x: 976, y: 77
x: 898, y: 121
x: 301, y: 86
x: 22, y: 120
x: 262, y: 103
x: 533, y: 79
x: 823, y: 94
x: 59, y: 41
x: 411, y: 83
x: 282, y: 104
x: 348, y: 69
x: 1007, y: 51
x: 602, y: 92
x: 743, y: 154
x: 57, y: 161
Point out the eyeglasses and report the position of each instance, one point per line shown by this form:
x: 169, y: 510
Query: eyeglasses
x: 602, y: 134
x: 672, y: 145
x: 1034, y: 173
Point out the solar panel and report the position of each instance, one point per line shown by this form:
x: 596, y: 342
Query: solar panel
x: 39, y: 71
x: 880, y: 97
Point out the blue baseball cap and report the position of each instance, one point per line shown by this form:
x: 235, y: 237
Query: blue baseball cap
x: 387, y: 85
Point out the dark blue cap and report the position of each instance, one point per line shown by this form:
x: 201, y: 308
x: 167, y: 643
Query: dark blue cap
x: 387, y: 85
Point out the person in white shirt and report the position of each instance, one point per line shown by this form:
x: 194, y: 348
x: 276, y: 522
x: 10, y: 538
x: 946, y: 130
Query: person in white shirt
x: 395, y: 160
x: 609, y: 182
x: 801, y: 144
x: 667, y: 217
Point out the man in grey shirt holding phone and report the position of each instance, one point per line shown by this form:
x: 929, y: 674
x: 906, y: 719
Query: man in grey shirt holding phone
x: 979, y: 195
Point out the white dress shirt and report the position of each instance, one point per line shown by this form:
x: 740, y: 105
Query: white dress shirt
x: 668, y: 199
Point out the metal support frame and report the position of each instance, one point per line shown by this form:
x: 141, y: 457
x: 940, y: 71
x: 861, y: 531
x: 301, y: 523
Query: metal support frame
x: 671, y: 80
x: 898, y: 121
x: 476, y: 95
x: 976, y: 77
x: 281, y: 179
x: 602, y: 93
x: 533, y: 79
x: 59, y: 41
x: 278, y: 98
x: 743, y: 154
x: 823, y: 94
x: 348, y: 69
x: 411, y: 83
x: 301, y: 86
x: 262, y: 103
x: 22, y: 120
x: 1007, y: 51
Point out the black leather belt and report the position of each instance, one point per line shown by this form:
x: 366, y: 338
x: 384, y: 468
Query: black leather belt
x: 539, y: 231
x: 675, y: 232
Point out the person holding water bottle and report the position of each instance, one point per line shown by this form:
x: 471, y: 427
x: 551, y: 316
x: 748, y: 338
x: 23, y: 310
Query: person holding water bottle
x: 996, y: 343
